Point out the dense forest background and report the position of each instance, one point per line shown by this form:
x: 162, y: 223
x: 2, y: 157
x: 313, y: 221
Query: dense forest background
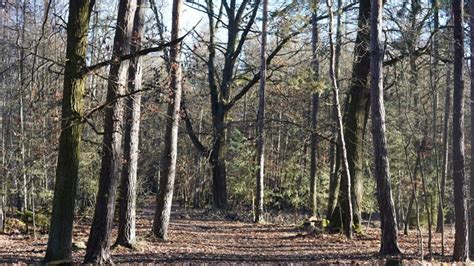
x: 314, y: 51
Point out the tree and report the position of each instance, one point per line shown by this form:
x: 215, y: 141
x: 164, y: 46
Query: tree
x: 346, y: 206
x: 460, y: 208
x: 471, y: 177
x: 356, y: 113
x: 222, y: 82
x: 389, y: 243
x: 98, y: 244
x: 314, y: 110
x: 60, y: 232
x: 164, y: 198
x: 128, y: 186
x: 260, y: 134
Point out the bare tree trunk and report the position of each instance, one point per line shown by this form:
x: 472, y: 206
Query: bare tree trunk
x: 98, y: 244
x: 314, y: 113
x: 389, y: 243
x: 165, y: 194
x: 461, y: 252
x: 471, y: 176
x: 357, y: 111
x: 444, y: 174
x: 128, y: 186
x: 414, y: 196
x: 346, y: 205
x: 22, y: 201
x: 260, y: 134
x: 426, y: 197
x: 60, y: 231
x: 199, y: 177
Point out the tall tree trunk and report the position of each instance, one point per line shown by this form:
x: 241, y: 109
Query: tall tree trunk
x: 460, y: 204
x: 389, y: 243
x: 444, y: 173
x: 128, y: 186
x: 314, y: 112
x: 260, y: 132
x: 216, y: 158
x: 357, y: 110
x: 165, y: 194
x: 22, y: 201
x: 98, y: 244
x: 60, y: 232
x: 346, y: 205
x: 333, y: 176
x: 427, y: 198
x: 471, y: 176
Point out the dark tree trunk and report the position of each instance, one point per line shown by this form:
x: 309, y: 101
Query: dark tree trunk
x: 60, y: 231
x: 389, y: 243
x: 357, y: 110
x: 335, y: 180
x: 314, y: 114
x: 260, y: 132
x: 218, y: 168
x: 216, y: 158
x: 460, y: 204
x: 98, y: 244
x: 164, y: 198
x: 346, y: 204
x: 128, y: 186
x: 471, y: 176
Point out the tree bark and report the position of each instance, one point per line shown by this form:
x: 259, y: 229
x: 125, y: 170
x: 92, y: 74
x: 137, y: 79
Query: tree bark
x: 389, y: 243
x: 165, y: 194
x: 346, y: 205
x: 60, y: 232
x: 128, y: 186
x: 314, y: 112
x: 471, y: 176
x: 460, y: 204
x: 357, y: 111
x: 260, y: 132
x: 98, y: 244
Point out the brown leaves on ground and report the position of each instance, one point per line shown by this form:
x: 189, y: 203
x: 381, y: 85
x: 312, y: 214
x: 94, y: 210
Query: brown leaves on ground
x: 194, y: 238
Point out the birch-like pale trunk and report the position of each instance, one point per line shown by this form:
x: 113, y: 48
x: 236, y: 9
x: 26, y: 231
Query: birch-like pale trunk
x: 260, y: 130
x: 347, y: 219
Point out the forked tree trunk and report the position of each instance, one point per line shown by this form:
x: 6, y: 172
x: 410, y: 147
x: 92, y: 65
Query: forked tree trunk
x: 314, y: 112
x: 128, y: 186
x: 346, y: 205
x: 260, y: 134
x: 170, y: 151
x: 60, y: 231
x: 461, y: 252
x: 98, y: 244
x: 389, y: 241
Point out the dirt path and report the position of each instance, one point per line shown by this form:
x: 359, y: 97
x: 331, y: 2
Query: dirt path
x: 195, y: 239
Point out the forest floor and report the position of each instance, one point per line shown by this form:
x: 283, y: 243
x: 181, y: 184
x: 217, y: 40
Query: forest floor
x: 198, y: 237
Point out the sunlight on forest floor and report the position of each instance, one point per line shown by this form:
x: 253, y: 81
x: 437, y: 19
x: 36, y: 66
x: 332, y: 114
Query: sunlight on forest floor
x: 194, y: 237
